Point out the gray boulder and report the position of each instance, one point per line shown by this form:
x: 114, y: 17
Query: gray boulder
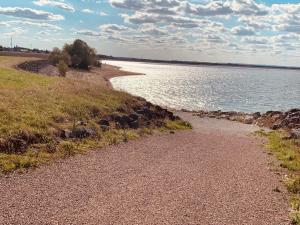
x: 104, y: 122
x: 65, y: 134
x: 82, y: 133
x: 134, y: 124
x: 256, y: 115
x: 134, y: 116
x: 248, y: 120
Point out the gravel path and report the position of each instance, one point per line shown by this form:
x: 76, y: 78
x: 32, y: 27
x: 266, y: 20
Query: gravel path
x: 216, y: 174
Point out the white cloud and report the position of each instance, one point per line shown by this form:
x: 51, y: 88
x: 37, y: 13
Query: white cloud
x: 87, y: 32
x: 111, y: 28
x: 210, y: 26
x: 287, y: 38
x: 293, y: 28
x: 243, y: 31
x: 35, y: 24
x: 59, y: 4
x: 288, y: 23
x: 248, y: 7
x: 286, y: 8
x: 214, y: 8
x: 203, y: 22
x: 15, y: 32
x: 204, y: 8
x: 152, y: 30
x: 4, y: 24
x: 103, y: 14
x: 255, y: 23
x: 128, y: 4
x: 256, y: 40
x: 29, y: 13
x: 43, y: 33
x: 89, y: 11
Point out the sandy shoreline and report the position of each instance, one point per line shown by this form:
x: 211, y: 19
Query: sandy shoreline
x: 99, y: 76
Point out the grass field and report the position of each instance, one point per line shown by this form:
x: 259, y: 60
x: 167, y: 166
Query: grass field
x: 37, y: 107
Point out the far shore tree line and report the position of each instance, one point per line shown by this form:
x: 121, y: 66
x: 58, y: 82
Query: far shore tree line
x: 76, y: 55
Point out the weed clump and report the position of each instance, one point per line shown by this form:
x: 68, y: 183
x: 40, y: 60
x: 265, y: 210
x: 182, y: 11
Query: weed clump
x: 68, y: 148
x: 293, y: 184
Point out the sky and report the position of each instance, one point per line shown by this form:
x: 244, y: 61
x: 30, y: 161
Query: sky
x: 227, y: 31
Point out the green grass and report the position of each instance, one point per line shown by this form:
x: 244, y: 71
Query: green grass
x: 34, y: 102
x: 178, y: 125
x: 288, y: 152
x: 36, y: 105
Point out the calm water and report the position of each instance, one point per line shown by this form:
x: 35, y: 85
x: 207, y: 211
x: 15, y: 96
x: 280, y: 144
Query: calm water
x: 212, y: 88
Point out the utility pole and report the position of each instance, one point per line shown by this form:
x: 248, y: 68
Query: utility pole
x: 11, y: 43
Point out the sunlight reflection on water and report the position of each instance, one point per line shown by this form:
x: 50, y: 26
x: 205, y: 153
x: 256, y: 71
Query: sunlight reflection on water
x: 212, y: 88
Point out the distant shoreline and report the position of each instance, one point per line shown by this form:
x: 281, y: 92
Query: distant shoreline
x: 174, y: 62
x: 102, y: 57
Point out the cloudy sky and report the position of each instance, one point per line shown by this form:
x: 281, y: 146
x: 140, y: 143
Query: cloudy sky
x: 242, y: 31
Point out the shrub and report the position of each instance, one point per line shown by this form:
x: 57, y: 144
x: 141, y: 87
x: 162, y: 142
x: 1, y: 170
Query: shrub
x: 62, y: 68
x: 54, y: 56
x: 57, y: 55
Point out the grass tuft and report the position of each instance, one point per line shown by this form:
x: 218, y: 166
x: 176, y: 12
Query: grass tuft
x: 178, y: 125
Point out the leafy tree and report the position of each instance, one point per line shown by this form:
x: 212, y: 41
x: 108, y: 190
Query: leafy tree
x: 77, y: 55
x: 82, y: 56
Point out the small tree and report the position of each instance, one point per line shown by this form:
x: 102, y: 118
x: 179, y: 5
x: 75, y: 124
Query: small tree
x: 62, y: 68
x: 77, y: 55
x: 82, y: 56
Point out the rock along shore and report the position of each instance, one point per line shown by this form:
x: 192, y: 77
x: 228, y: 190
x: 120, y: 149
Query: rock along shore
x: 274, y: 120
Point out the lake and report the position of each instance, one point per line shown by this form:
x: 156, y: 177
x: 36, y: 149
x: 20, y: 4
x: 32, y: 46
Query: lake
x: 211, y: 87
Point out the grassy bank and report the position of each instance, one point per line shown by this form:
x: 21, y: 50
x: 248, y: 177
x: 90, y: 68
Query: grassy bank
x: 288, y: 152
x: 34, y: 108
